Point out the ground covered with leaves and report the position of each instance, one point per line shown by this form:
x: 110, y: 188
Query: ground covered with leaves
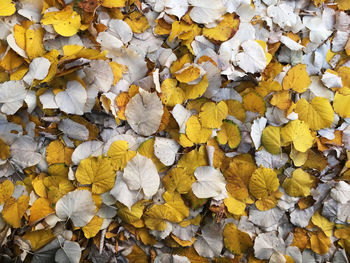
x: 174, y: 131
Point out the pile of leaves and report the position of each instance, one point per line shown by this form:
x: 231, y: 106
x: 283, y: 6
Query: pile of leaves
x: 174, y: 131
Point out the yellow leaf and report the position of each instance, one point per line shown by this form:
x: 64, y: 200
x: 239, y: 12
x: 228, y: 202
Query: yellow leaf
x: 39, y: 238
x: 177, y: 179
x: 341, y: 102
x: 39, y: 186
x: 343, y: 4
x: 263, y: 182
x: 6, y: 190
x: 137, y: 255
x: 118, y: 71
x: 298, y: 133
x: 66, y: 22
x: 7, y: 8
x: 188, y: 74
x: 113, y: 3
x: 224, y: 30
x: 195, y: 131
x: 192, y: 255
x: 57, y: 186
x: 271, y: 139
x: 238, y: 174
x: 318, y: 114
x: 195, y: 91
x: 299, y: 184
x: 137, y: 22
x: 193, y: 159
x: 147, y: 149
x: 93, y: 227
x: 14, y: 210
x: 234, y: 206
x: 184, y: 31
x: 171, y: 94
x: 281, y: 100
x: 4, y: 150
x: 236, y: 241
x: 235, y: 108
x: 39, y: 210
x: 269, y: 202
x: 298, y: 158
x: 34, y: 43
x: 11, y: 61
x: 120, y: 154
x: 212, y: 114
x: 56, y: 152
x: 174, y: 210
x: 229, y: 133
x: 97, y: 171
x: 132, y: 216
x: 320, y: 243
x: 253, y: 102
x: 327, y: 226
x: 297, y: 79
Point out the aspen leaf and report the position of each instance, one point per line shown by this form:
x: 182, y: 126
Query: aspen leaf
x: 147, y: 149
x: 14, y: 210
x: 210, y: 183
x: 263, y: 182
x: 323, y: 223
x: 297, y: 79
x: 320, y: 243
x: 234, y: 206
x: 56, y: 152
x: 252, y: 101
x: 69, y: 252
x: 271, y: 139
x: 299, y: 184
x: 6, y: 190
x: 137, y: 22
x: 224, y: 30
x: 298, y: 133
x: 40, y: 209
x: 235, y: 240
x: 39, y: 238
x: 229, y: 133
x: 188, y: 74
x: 97, y: 171
x: 340, y: 102
x: 212, y: 115
x: 196, y: 90
x: 318, y: 114
x: 144, y: 113
x: 140, y: 173
x: 93, y: 227
x: 66, y: 22
x: 193, y: 159
x: 178, y: 179
x: 120, y: 154
x: 166, y: 150
x: 195, y: 131
x: 7, y: 8
x: 171, y: 94
x: 113, y: 3
x: 253, y: 58
x: 72, y: 100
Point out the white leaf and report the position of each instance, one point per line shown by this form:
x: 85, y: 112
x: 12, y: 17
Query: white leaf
x: 99, y: 74
x: 48, y: 100
x: 11, y: 41
x: 318, y: 30
x: 181, y: 115
x: 78, y: 206
x: 267, y: 218
x: 109, y: 41
x: 252, y: 59
x: 123, y: 194
x: 331, y: 80
x: 144, y: 113
x: 12, y: 94
x: 206, y: 11
x: 341, y: 192
x: 86, y: 149
x: 256, y: 131
x: 24, y: 152
x: 210, y: 183
x: 73, y: 99
x: 38, y: 69
x: 266, y: 244
x: 70, y: 252
x: 165, y: 150
x: 141, y: 173
x: 176, y: 7
x: 290, y: 43
x: 210, y: 243
x: 74, y: 130
x: 283, y: 15
x: 268, y: 160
